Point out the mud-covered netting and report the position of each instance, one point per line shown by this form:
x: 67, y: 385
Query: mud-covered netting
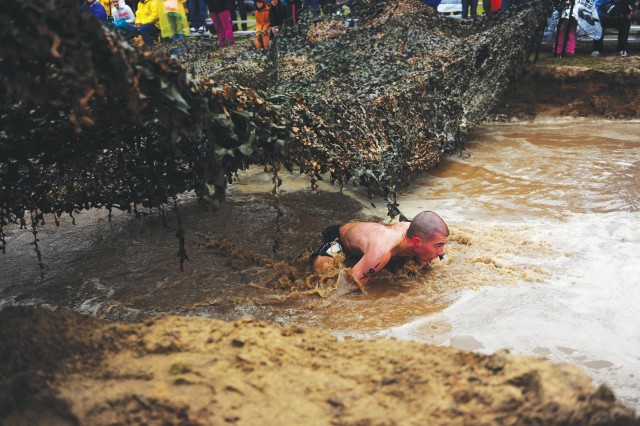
x: 88, y: 121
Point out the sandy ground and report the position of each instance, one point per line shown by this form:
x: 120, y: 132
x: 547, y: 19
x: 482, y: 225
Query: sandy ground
x: 64, y: 368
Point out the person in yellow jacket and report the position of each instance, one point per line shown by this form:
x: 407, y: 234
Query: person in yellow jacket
x: 173, y: 19
x: 148, y: 21
x: 263, y: 27
x: 108, y: 5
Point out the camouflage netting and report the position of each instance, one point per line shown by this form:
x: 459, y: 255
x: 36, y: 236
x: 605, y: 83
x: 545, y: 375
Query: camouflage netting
x: 88, y: 121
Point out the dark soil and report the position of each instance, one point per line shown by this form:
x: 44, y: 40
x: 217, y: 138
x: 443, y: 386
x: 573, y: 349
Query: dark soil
x: 579, y: 86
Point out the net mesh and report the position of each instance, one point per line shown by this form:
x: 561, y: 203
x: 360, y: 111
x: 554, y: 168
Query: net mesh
x: 88, y: 121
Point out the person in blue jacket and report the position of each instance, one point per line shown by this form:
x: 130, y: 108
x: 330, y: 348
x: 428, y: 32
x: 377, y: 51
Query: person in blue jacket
x: 96, y: 9
x: 433, y: 3
x: 614, y: 14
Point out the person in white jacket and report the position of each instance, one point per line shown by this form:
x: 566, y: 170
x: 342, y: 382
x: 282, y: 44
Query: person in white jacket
x: 123, y: 16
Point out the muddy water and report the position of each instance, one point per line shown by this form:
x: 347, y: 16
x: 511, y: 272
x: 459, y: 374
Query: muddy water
x: 544, y: 256
x: 574, y: 187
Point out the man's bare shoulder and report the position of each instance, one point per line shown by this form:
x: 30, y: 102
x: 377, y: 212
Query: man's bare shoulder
x: 400, y: 226
x: 362, y: 226
x: 364, y: 236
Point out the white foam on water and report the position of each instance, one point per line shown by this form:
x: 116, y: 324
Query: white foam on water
x: 589, y: 315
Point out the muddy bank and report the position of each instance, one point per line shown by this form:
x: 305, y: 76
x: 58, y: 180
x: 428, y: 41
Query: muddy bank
x: 579, y: 86
x: 63, y: 368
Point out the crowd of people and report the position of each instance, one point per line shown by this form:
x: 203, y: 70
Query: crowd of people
x: 174, y: 19
x: 612, y: 14
x: 470, y: 7
x: 149, y: 19
x: 153, y: 20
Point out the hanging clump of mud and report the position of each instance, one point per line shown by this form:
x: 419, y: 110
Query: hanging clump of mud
x: 88, y: 121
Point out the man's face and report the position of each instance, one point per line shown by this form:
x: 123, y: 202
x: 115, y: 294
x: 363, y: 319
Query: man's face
x: 428, y: 250
x: 274, y: 2
x: 116, y: 3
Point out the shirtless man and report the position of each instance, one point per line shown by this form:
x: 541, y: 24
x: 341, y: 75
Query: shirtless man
x: 423, y: 238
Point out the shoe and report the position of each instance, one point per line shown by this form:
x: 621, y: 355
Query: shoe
x: 622, y: 53
x: 193, y: 29
x: 595, y: 53
x: 201, y: 30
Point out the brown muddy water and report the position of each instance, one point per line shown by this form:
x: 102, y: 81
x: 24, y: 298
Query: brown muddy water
x: 544, y: 256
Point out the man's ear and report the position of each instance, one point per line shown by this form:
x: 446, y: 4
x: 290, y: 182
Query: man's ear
x: 416, y: 241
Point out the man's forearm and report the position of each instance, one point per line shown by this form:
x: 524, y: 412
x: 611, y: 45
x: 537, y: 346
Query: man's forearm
x: 356, y: 280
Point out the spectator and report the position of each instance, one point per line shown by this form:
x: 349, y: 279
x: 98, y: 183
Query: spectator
x: 486, y: 6
x: 173, y: 20
x: 314, y: 5
x: 219, y: 11
x: 466, y: 4
x: 433, y: 3
x: 133, y: 4
x: 572, y: 24
x: 263, y: 27
x: 238, y: 5
x: 148, y: 21
x: 491, y: 6
x: 614, y: 14
x: 277, y: 16
x: 96, y: 9
x: 197, y: 16
x: 294, y: 10
x: 108, y: 5
x: 123, y: 17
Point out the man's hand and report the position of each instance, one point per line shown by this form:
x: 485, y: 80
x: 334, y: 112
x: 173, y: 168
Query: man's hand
x: 346, y: 283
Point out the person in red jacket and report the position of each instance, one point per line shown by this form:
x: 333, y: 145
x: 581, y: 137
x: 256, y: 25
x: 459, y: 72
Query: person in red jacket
x: 491, y: 6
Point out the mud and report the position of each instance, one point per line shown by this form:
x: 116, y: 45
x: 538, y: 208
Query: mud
x: 63, y: 368
x: 579, y: 86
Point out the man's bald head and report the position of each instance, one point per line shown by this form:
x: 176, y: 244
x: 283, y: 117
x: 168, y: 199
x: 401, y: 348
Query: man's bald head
x: 426, y: 224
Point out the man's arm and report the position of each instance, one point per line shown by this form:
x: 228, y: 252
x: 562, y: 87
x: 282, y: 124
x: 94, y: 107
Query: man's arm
x: 369, y: 265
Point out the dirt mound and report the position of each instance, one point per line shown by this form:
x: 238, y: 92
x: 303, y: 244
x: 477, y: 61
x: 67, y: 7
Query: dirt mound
x: 578, y: 86
x: 62, y: 368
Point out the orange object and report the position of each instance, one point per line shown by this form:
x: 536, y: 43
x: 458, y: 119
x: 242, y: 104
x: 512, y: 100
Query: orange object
x: 263, y: 28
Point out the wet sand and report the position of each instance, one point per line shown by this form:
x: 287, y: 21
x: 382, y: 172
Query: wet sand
x: 196, y: 371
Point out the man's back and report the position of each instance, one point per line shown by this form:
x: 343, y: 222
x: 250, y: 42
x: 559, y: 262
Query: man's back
x: 376, y: 243
x: 423, y: 239
x: 361, y: 237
